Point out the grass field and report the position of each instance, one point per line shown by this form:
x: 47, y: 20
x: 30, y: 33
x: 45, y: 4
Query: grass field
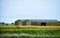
x: 35, y: 27
x: 31, y: 30
x: 41, y: 30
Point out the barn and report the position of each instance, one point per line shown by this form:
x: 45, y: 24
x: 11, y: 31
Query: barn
x: 37, y: 22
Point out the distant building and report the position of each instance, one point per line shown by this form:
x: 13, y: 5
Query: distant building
x: 18, y: 22
x: 36, y: 22
x: 26, y: 22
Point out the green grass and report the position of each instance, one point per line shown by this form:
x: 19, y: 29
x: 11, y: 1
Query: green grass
x: 38, y: 30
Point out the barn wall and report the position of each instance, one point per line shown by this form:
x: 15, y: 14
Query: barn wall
x: 18, y: 22
x: 47, y: 23
x: 53, y: 23
x: 26, y: 22
x: 36, y: 23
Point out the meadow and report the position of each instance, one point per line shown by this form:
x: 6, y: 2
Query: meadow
x: 41, y: 30
x: 32, y: 30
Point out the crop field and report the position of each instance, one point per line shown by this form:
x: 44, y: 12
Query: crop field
x: 32, y: 30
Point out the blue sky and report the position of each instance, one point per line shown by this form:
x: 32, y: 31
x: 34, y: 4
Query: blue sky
x: 10, y: 10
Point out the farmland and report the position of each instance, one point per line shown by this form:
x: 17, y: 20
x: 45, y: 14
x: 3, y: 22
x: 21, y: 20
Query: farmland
x: 32, y: 30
